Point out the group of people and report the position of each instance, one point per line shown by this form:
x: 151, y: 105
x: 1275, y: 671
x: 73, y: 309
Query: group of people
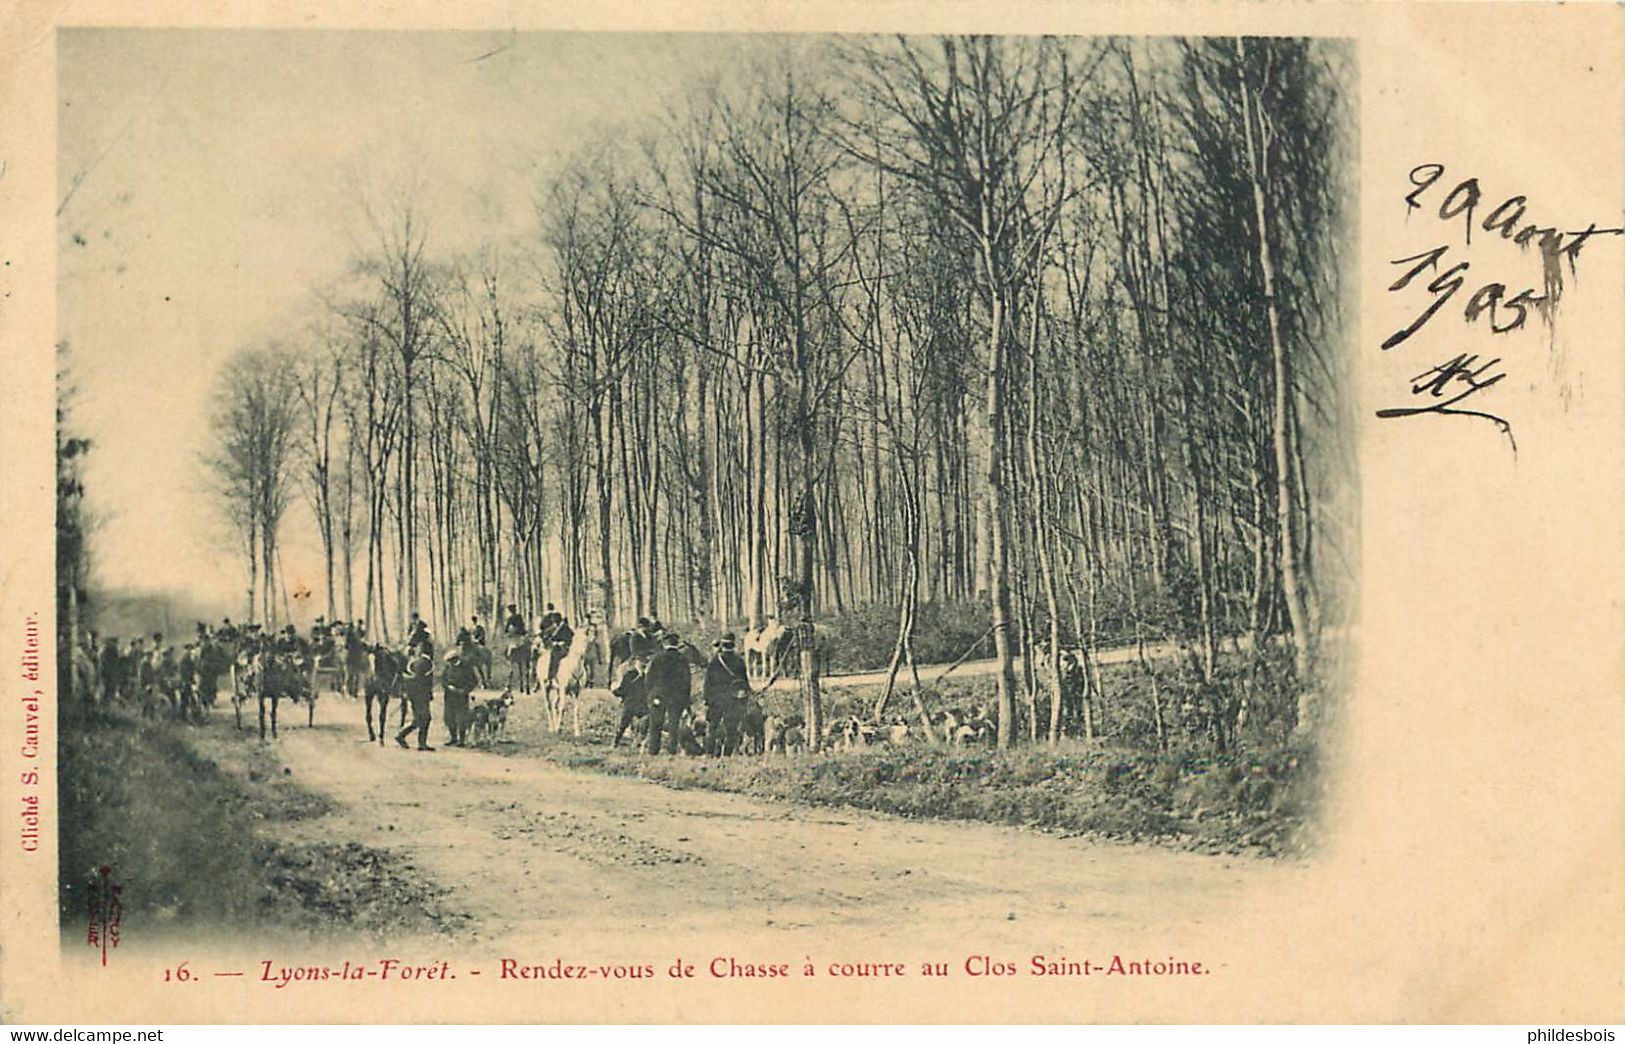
x: 656, y: 682
x: 650, y: 673
x: 183, y: 679
x: 159, y: 676
x: 553, y: 634
x: 467, y: 666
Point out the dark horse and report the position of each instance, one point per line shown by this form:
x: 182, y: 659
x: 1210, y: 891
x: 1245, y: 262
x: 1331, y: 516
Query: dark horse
x: 383, y: 684
x: 357, y: 664
x: 521, y: 668
x: 273, y: 677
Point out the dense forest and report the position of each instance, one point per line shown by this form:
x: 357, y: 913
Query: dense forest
x: 1052, y: 330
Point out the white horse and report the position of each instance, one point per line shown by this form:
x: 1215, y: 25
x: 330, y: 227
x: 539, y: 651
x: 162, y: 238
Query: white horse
x: 761, y: 648
x: 576, y: 671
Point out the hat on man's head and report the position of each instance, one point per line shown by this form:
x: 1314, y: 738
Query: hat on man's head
x: 671, y: 640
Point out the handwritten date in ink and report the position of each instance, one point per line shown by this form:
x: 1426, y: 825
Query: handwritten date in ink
x: 1442, y: 275
x: 1490, y: 297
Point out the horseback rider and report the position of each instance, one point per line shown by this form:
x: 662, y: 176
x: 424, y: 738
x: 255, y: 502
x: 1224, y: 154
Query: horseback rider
x: 516, y: 650
x: 724, y: 691
x: 556, y: 633
x: 477, y: 630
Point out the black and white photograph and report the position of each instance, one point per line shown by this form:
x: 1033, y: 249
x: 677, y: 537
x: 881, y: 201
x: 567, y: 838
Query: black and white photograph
x: 712, y: 526
x: 686, y: 470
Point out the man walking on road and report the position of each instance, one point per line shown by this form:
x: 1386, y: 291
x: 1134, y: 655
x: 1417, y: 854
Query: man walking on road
x: 419, y: 686
x: 668, y: 688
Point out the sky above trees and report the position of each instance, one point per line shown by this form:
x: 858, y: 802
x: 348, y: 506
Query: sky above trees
x: 214, y: 180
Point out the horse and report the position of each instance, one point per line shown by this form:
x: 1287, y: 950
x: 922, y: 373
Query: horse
x: 783, y: 654
x: 357, y: 664
x: 385, y: 669
x: 521, y: 664
x: 273, y: 677
x: 574, y: 673
x: 620, y: 654
x: 478, y: 657
x: 761, y: 648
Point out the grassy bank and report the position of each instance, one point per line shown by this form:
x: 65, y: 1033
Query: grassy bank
x: 195, y: 842
x: 1260, y: 801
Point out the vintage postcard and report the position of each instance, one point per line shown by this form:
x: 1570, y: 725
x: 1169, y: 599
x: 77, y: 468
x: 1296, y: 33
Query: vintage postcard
x: 857, y: 513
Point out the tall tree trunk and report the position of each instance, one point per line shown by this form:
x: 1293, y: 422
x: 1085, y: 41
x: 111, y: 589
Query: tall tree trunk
x: 1286, y: 515
x: 999, y: 571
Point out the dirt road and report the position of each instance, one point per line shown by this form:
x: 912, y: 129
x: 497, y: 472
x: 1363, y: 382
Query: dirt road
x: 931, y: 672
x: 548, y: 855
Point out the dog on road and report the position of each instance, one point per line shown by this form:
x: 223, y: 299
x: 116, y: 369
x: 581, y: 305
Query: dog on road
x: 488, y: 719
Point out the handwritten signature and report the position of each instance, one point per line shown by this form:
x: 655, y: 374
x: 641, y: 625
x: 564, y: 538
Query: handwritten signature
x: 1460, y: 378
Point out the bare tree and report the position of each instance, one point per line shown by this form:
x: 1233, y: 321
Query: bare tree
x: 318, y: 375
x: 974, y: 121
x: 252, y: 459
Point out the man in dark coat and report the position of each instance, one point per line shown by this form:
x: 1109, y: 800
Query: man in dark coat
x: 459, y: 679
x: 114, y: 683
x: 668, y: 687
x: 724, y: 693
x: 419, y: 686
x: 634, y: 700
